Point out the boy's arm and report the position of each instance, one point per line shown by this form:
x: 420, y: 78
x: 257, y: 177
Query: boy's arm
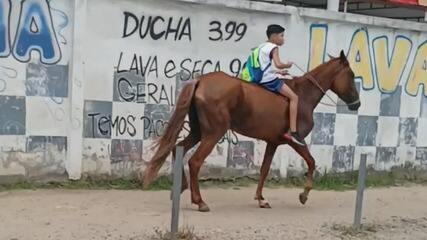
x: 277, y: 62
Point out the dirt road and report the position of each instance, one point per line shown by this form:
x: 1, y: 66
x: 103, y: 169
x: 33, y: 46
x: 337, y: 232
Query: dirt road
x: 395, y: 213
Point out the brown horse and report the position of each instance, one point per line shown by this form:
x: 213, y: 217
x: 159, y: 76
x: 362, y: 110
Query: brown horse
x: 217, y: 102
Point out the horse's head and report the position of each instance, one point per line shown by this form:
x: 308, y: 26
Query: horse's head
x: 343, y: 83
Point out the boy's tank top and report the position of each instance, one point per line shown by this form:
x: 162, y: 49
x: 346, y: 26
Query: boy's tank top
x: 265, y: 58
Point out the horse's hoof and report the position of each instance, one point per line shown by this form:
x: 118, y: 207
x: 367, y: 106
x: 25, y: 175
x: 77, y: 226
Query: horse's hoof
x: 303, y: 198
x: 264, y: 204
x: 203, y: 207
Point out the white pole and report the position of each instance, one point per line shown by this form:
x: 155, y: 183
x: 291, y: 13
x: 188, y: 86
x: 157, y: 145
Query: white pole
x: 76, y: 84
x: 425, y: 16
x: 345, y: 6
x: 333, y: 5
x: 360, y: 189
x: 176, y: 190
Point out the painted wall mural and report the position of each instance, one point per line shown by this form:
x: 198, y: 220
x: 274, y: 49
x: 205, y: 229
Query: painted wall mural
x: 137, y: 60
x: 34, y: 65
x: 155, y: 53
x: 374, y: 63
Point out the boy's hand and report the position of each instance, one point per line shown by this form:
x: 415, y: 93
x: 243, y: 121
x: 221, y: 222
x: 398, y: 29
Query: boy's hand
x: 283, y: 72
x: 285, y: 76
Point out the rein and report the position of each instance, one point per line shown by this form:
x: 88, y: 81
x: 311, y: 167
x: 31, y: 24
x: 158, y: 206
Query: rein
x: 316, y: 83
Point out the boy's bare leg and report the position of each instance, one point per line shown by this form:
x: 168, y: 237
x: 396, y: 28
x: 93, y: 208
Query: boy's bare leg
x: 293, y: 108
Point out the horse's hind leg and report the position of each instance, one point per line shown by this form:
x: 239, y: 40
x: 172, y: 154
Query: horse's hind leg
x: 188, y: 143
x: 195, y: 162
x: 305, y: 153
x: 266, y: 163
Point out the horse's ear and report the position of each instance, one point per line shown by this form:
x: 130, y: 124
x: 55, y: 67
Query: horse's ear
x: 330, y: 56
x: 343, y: 57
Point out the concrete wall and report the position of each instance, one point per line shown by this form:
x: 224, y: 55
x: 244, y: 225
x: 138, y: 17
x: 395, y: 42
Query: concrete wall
x: 35, y: 50
x: 127, y: 62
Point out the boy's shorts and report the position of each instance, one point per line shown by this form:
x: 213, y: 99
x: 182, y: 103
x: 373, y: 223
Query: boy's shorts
x: 274, y: 85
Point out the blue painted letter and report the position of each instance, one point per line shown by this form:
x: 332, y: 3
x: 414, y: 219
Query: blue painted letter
x: 4, y: 28
x: 36, y: 32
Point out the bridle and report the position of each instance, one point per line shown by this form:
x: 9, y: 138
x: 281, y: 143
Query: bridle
x: 316, y: 83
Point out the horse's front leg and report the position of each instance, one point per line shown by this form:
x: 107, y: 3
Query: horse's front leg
x: 305, y: 153
x: 266, y: 163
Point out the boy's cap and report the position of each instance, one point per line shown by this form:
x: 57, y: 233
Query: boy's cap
x: 273, y: 29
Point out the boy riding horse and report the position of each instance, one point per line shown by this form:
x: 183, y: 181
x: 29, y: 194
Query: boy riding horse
x: 265, y: 68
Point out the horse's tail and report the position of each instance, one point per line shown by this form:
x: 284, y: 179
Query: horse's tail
x: 167, y: 142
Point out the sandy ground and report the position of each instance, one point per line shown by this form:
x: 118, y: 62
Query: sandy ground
x: 393, y: 213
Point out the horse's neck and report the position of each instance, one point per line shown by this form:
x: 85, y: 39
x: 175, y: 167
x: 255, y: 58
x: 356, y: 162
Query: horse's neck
x: 309, y: 92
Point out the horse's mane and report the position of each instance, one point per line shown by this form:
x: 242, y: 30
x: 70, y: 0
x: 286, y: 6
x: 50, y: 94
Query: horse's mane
x: 300, y: 80
x: 320, y: 68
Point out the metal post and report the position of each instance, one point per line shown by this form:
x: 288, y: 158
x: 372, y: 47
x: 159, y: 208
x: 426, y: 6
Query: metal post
x: 360, y: 189
x: 176, y: 190
x: 333, y: 5
x: 345, y: 6
x: 425, y: 16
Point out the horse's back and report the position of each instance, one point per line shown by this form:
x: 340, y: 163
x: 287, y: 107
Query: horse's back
x: 251, y: 110
x: 218, y: 87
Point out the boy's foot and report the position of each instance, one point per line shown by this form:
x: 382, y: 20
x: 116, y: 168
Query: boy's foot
x: 294, y: 137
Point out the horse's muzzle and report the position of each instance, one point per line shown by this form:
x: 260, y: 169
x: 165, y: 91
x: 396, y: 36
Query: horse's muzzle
x: 354, y: 106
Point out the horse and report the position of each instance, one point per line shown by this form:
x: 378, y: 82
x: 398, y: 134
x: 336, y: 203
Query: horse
x: 216, y: 102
